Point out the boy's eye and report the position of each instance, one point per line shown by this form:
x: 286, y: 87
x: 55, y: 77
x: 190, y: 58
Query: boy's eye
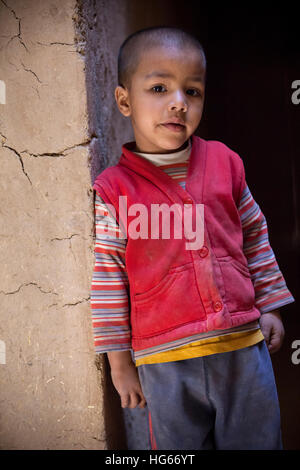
x: 158, y: 88
x: 193, y: 92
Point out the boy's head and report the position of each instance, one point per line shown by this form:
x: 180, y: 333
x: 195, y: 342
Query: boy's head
x: 161, y: 84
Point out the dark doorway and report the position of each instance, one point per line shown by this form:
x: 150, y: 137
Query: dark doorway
x: 252, y: 62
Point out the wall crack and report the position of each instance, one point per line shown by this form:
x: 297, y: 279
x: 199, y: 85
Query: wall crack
x: 33, y: 73
x: 20, y: 159
x: 19, y: 25
x: 28, y: 284
x: 57, y: 154
x: 54, y: 43
x: 66, y: 238
x: 78, y: 302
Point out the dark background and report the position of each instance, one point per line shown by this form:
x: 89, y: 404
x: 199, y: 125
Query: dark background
x: 252, y: 60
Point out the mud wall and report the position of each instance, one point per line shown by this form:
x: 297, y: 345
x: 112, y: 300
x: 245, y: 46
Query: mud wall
x: 51, y: 390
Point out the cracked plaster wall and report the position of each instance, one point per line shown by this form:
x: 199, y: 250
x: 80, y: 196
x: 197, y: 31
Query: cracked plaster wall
x: 51, y: 390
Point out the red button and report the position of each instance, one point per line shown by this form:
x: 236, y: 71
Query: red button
x: 218, y: 306
x: 203, y: 252
x: 188, y: 200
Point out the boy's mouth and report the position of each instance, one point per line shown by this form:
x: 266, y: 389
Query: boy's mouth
x: 175, y: 125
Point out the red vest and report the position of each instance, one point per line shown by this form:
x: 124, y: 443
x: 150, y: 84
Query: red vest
x: 177, y: 292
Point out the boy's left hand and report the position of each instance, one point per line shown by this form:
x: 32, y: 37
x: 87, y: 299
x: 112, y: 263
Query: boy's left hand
x: 272, y: 329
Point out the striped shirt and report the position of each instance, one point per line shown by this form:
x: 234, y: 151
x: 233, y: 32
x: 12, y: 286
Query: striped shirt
x: 110, y: 285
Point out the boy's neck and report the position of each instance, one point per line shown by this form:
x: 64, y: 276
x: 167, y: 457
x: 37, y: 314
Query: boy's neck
x: 170, y: 152
x: 178, y: 156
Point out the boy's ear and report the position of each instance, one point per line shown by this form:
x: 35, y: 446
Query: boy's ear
x: 122, y: 99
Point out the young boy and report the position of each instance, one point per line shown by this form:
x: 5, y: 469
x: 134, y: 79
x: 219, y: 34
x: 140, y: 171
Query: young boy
x: 187, y: 328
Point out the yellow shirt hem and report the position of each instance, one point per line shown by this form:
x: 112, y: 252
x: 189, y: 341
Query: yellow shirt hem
x: 206, y: 347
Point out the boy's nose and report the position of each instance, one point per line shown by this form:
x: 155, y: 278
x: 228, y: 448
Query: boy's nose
x: 178, y: 103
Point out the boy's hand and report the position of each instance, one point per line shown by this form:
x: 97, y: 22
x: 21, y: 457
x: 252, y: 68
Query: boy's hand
x: 126, y: 380
x: 272, y: 329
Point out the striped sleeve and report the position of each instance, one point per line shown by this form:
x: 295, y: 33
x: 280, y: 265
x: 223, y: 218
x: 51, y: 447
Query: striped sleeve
x: 110, y: 287
x: 271, y: 291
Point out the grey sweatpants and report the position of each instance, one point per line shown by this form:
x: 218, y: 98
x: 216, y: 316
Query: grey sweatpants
x: 222, y: 401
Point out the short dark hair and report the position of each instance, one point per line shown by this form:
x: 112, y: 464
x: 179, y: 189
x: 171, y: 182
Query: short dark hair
x: 137, y: 42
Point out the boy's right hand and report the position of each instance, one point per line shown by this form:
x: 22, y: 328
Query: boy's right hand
x: 125, y: 379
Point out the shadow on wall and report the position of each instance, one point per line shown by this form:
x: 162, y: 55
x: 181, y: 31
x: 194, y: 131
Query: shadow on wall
x: 113, y: 420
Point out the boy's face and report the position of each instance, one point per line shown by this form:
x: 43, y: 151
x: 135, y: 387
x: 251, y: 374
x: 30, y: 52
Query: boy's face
x: 165, y: 98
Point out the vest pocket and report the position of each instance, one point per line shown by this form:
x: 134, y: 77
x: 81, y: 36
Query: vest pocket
x: 156, y: 290
x: 239, y: 289
x: 172, y: 302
